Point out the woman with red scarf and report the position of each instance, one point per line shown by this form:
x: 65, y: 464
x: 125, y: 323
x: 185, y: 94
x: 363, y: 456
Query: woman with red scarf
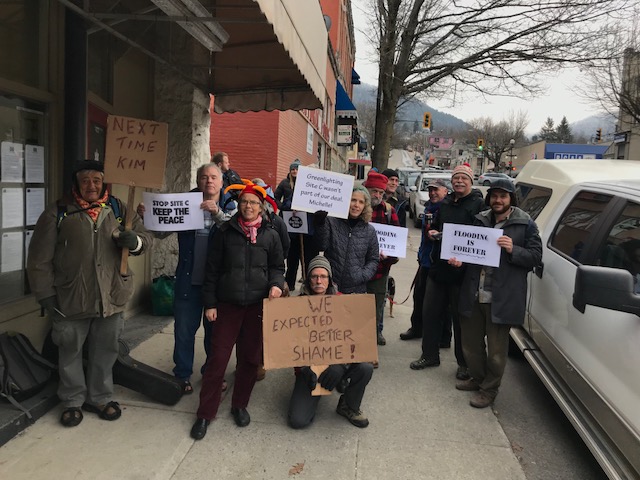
x: 245, y: 265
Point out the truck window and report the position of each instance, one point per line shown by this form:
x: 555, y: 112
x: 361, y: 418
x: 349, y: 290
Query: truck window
x: 532, y: 199
x: 577, y: 222
x: 621, y: 248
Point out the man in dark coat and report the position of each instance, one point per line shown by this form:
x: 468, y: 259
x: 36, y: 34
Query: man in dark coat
x: 493, y: 299
x: 443, y: 284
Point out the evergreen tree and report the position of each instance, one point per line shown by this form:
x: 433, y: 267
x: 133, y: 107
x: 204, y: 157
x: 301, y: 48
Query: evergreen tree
x: 563, y: 132
x: 548, y: 131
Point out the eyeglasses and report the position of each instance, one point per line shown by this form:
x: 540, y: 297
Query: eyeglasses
x: 253, y: 203
x: 318, y: 277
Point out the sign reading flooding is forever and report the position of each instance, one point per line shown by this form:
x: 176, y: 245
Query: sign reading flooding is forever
x: 322, y: 190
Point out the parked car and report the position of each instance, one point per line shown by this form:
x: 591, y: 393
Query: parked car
x: 406, y: 178
x: 582, y: 327
x: 419, y: 193
x: 487, y: 178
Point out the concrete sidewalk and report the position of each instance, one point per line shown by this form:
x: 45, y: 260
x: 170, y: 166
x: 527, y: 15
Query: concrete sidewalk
x: 420, y: 427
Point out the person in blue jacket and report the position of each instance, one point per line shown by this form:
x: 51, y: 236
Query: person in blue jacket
x: 192, y: 256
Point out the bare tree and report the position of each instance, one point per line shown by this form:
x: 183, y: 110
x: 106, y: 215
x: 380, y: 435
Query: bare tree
x: 445, y: 48
x: 615, y: 81
x: 497, y: 136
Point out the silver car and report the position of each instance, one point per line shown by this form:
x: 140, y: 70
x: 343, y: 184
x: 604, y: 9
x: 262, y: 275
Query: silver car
x: 488, y: 178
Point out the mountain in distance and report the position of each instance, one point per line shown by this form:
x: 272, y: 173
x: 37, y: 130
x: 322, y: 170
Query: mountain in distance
x: 412, y: 111
x: 587, y: 126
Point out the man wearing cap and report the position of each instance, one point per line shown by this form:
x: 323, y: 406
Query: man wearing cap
x: 493, y: 298
x: 303, y: 405
x: 376, y: 184
x: 74, y: 271
x: 443, y: 284
x: 438, y: 190
x: 395, y: 198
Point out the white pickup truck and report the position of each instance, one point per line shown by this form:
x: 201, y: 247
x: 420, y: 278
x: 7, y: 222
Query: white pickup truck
x: 582, y: 329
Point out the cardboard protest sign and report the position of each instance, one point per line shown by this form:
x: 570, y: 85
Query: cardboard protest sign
x: 136, y: 151
x: 478, y: 245
x: 173, y: 212
x: 392, y: 240
x: 322, y: 190
x: 296, y: 221
x: 319, y: 330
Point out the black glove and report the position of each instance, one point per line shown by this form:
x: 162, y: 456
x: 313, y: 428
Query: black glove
x: 127, y: 239
x: 50, y: 305
x: 330, y: 378
x: 319, y: 218
x: 311, y: 377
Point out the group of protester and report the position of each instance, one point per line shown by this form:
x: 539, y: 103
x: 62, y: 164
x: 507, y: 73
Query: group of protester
x: 226, y: 269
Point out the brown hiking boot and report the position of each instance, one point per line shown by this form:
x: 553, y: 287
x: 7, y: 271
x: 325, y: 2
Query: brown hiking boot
x: 354, y: 416
x: 469, y: 385
x: 481, y: 399
x: 261, y: 373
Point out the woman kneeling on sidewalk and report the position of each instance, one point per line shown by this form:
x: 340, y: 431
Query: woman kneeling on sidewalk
x: 350, y: 379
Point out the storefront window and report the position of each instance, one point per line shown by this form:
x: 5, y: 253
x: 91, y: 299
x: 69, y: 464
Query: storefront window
x: 23, y: 39
x: 23, y: 160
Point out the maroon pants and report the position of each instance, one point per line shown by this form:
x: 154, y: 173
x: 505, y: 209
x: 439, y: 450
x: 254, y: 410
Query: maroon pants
x: 240, y: 326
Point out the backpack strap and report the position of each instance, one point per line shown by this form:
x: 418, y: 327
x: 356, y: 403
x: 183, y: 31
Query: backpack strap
x: 112, y: 201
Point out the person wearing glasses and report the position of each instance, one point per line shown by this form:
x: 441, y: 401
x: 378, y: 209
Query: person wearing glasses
x: 245, y: 265
x: 356, y: 376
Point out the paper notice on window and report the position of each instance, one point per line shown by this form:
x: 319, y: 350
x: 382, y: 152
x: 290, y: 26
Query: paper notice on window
x: 35, y: 204
x: 11, y: 158
x: 11, y: 252
x: 12, y: 207
x: 34, y: 163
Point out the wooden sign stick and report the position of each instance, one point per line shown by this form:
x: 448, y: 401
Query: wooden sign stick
x: 127, y: 226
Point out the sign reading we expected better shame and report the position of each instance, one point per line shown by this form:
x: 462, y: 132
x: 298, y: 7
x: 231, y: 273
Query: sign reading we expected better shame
x: 319, y: 330
x: 136, y: 151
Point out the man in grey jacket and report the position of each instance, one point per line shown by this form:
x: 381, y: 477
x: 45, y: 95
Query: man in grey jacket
x: 493, y: 299
x: 74, y: 272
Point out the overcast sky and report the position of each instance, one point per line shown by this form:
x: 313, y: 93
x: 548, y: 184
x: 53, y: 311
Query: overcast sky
x: 558, y: 102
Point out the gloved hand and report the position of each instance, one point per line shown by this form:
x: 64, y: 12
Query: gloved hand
x: 310, y: 375
x: 50, y: 305
x: 319, y: 218
x: 126, y: 239
x: 330, y: 378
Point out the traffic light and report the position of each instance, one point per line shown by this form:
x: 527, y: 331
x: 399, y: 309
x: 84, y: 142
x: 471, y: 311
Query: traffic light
x: 510, y: 164
x: 426, y: 123
x: 598, y: 135
x: 480, y: 143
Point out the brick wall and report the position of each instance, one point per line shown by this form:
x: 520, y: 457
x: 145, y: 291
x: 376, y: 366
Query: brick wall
x: 251, y: 141
x: 292, y: 142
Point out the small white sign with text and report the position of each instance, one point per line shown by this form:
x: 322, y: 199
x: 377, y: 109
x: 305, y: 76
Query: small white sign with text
x: 173, y: 212
x: 478, y: 245
x: 322, y: 190
x: 392, y: 240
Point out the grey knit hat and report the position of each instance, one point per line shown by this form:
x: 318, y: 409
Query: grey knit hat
x: 320, y: 261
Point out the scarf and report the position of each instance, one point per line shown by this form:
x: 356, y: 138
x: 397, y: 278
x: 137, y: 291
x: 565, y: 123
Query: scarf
x: 250, y: 229
x: 93, y: 209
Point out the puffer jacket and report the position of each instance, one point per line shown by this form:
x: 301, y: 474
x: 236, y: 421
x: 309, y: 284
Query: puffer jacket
x: 79, y: 262
x: 240, y: 272
x: 284, y: 193
x: 352, y: 251
x: 509, y: 280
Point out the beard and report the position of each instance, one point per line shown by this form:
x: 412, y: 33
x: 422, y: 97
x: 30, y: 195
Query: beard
x: 375, y: 202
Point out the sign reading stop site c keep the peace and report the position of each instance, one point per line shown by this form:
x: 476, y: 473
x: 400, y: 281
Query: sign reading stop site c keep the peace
x: 136, y: 151
x: 322, y: 190
x: 319, y: 330
x: 173, y: 212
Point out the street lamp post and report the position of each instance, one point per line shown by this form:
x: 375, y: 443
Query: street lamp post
x: 512, y: 142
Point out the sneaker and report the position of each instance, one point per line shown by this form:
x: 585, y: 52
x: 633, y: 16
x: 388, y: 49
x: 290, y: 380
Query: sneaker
x: 481, y: 399
x: 462, y: 373
x: 354, y: 416
x: 424, y: 363
x: 381, y: 339
x: 469, y: 385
